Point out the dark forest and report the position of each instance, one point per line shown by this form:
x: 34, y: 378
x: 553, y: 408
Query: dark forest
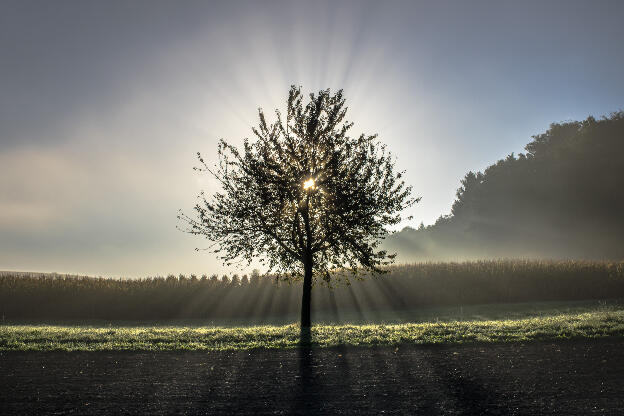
x: 561, y: 199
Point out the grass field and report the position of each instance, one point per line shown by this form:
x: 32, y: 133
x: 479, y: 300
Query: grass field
x: 596, y: 322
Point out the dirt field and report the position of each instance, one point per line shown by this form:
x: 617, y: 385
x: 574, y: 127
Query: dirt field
x: 571, y: 377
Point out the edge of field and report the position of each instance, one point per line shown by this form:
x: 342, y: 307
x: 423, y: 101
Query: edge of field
x: 593, y: 324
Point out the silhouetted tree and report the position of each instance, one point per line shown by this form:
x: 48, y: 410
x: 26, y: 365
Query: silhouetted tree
x: 304, y: 197
x: 255, y: 277
x: 235, y: 280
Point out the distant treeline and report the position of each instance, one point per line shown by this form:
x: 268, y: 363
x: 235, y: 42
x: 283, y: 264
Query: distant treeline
x: 564, y: 198
x: 258, y: 299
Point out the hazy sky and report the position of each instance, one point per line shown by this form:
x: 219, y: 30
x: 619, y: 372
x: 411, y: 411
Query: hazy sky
x: 103, y: 105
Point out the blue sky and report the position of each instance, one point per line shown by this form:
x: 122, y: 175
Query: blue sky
x: 104, y: 104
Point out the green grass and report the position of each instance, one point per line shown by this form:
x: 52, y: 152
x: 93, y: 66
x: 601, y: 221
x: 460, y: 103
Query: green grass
x: 592, y: 324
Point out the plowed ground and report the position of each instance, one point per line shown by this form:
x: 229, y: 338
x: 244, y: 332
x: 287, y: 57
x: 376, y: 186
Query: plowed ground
x: 568, y: 377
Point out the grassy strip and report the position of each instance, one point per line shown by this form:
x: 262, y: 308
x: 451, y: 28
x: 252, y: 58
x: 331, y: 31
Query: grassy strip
x: 157, y: 338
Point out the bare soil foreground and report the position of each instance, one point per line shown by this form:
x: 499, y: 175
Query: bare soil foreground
x: 567, y: 377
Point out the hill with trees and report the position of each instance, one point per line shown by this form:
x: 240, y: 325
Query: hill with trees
x: 563, y: 198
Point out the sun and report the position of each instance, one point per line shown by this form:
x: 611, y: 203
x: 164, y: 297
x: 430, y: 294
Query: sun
x: 309, y: 184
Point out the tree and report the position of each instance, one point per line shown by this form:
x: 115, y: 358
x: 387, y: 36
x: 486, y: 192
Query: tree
x: 304, y: 197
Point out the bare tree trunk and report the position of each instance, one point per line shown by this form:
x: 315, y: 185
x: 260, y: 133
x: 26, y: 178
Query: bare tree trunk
x: 306, y: 321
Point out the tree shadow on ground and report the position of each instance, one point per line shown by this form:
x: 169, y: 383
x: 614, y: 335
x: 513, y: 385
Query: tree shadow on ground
x: 314, y: 393
x: 431, y: 380
x: 307, y: 388
x: 467, y: 394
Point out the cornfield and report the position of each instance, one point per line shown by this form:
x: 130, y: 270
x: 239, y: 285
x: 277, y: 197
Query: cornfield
x: 258, y: 298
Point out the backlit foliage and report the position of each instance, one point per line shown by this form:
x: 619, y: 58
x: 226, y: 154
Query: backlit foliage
x: 303, y: 193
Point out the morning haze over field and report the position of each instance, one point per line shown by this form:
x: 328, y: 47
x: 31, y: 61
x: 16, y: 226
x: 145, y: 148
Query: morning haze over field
x: 105, y: 105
